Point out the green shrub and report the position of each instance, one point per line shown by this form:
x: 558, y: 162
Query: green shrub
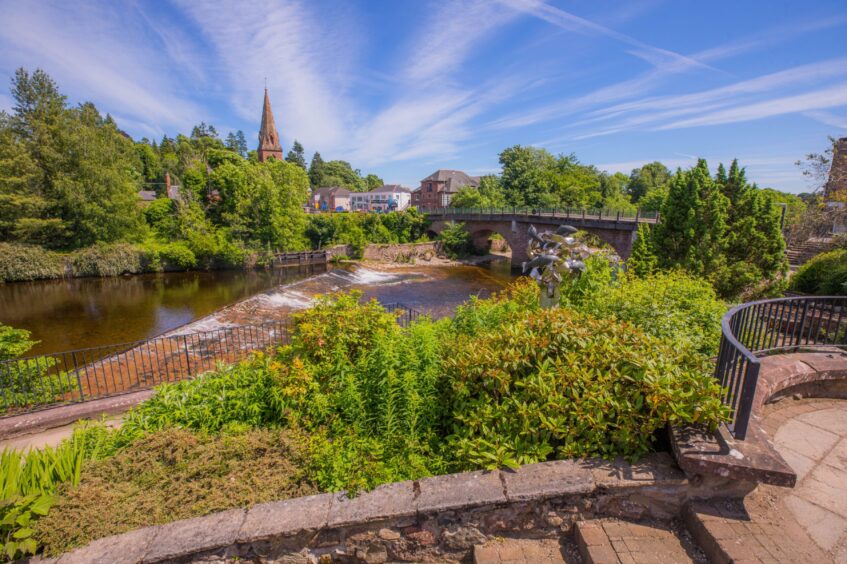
x: 168, y: 256
x: 455, y: 241
x: 558, y: 383
x: 674, y: 306
x: 28, y: 262
x: 27, y: 485
x: 28, y: 382
x: 107, y: 260
x: 367, y: 390
x: 823, y: 275
x: 241, y: 394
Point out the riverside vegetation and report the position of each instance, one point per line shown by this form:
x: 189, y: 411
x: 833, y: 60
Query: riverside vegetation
x: 355, y: 401
x: 69, y: 182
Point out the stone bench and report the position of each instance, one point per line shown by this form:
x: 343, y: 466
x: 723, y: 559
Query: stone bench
x: 808, y: 374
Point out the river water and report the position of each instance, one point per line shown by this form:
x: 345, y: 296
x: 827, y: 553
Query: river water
x: 87, y: 312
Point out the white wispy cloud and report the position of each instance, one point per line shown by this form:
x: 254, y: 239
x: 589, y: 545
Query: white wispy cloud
x: 819, y: 99
x: 431, y: 111
x: 452, y: 31
x: 301, y: 53
x: 103, y: 53
x: 656, y: 56
x: 828, y: 118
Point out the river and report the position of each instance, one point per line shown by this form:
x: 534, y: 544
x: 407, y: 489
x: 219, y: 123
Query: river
x: 88, y: 312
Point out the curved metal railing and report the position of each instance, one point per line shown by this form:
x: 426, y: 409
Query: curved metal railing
x: 756, y: 329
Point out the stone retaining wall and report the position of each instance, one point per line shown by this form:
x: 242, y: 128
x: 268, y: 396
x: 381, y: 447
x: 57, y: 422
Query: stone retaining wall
x: 436, y: 519
x: 404, y: 252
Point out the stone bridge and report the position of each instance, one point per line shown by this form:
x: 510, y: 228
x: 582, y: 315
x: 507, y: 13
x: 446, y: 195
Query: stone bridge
x: 614, y: 228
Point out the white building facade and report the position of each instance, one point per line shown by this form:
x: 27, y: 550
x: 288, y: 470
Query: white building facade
x: 391, y: 197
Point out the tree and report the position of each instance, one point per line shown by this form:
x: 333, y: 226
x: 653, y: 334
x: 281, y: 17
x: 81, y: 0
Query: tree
x: 296, y: 155
x: 488, y: 195
x: 262, y: 202
x: 533, y: 177
x: 80, y: 174
x: 236, y: 142
x: 650, y: 177
x: 340, y: 173
x: 316, y: 170
x: 372, y: 182
x: 693, y: 227
x: 643, y: 260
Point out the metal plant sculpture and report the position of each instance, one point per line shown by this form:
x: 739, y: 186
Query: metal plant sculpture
x: 554, y: 255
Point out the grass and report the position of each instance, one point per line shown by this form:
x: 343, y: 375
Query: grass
x: 170, y: 475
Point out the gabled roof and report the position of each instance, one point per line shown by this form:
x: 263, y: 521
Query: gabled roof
x: 391, y: 188
x: 453, y: 179
x: 147, y: 195
x: 328, y: 191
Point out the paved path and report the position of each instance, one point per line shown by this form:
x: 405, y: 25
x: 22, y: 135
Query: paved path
x: 50, y: 437
x: 812, y: 437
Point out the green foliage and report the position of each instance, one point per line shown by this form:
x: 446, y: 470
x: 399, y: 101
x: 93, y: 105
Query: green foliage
x: 13, y: 342
x: 296, y: 155
x: 28, y: 262
x: 673, y: 306
x: 652, y: 178
x: 643, y: 260
x: 533, y: 177
x: 262, y: 202
x: 357, y: 230
x: 722, y: 229
x: 73, y: 170
x: 241, y: 394
x: 455, y: 240
x: 365, y: 389
x: 489, y: 194
x: 107, y: 260
x: 558, y: 383
x: 174, y: 474
x: 28, y: 382
x: 28, y: 483
x: 825, y: 274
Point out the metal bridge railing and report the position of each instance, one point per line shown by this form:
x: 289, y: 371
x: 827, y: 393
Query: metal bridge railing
x: 637, y: 216
x: 756, y: 329
x: 37, y: 382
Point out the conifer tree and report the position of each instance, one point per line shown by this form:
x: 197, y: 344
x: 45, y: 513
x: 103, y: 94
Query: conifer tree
x: 296, y: 155
x: 693, y: 228
x: 643, y: 260
x: 316, y: 170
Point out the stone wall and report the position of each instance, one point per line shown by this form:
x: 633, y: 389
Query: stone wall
x: 436, y: 519
x: 405, y: 252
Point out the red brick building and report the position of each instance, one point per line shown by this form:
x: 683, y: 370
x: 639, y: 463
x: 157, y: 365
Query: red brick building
x: 437, y: 189
x: 269, y: 145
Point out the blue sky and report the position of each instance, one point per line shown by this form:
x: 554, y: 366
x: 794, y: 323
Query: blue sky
x: 403, y: 87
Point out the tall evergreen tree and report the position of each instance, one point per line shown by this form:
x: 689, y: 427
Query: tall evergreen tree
x: 693, y: 228
x: 643, y: 260
x: 316, y: 170
x: 296, y: 155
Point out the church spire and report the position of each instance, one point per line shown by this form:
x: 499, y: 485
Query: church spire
x: 269, y: 145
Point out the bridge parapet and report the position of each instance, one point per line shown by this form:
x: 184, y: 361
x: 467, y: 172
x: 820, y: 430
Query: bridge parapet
x: 616, y: 228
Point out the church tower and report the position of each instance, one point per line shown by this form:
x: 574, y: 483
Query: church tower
x: 269, y: 145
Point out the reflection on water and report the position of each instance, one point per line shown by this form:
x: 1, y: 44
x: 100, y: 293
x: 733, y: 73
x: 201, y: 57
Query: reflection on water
x: 87, y: 312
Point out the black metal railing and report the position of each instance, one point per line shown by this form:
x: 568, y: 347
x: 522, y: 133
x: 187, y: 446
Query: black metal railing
x: 606, y: 214
x: 405, y: 314
x: 36, y: 382
x: 756, y: 329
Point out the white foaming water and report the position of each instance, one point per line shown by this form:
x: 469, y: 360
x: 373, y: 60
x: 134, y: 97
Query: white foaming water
x: 365, y: 276
x: 286, y: 298
x: 208, y: 323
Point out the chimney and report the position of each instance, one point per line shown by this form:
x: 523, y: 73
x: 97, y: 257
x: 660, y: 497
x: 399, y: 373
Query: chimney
x: 837, y: 181
x: 168, y: 184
